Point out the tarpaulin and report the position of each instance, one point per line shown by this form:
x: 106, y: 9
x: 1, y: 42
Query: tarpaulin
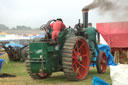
x: 42, y: 35
x: 114, y: 33
x: 1, y: 62
x: 98, y: 81
x: 106, y: 49
x: 14, y: 45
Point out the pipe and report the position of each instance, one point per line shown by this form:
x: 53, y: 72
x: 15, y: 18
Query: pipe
x: 85, y: 17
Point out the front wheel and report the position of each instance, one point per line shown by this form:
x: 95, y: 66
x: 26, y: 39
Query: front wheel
x: 101, y: 62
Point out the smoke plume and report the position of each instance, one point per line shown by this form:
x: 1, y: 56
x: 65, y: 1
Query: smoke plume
x: 102, y: 4
x: 117, y: 9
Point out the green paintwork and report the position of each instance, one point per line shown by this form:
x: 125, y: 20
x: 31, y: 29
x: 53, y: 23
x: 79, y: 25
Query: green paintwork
x: 46, y: 56
x: 91, y: 32
x: 35, y: 53
x: 43, y: 56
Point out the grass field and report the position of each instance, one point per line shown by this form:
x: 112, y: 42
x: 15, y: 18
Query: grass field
x: 58, y: 78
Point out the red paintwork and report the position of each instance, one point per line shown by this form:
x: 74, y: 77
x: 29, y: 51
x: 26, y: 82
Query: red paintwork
x: 81, y: 59
x: 103, y: 62
x: 56, y: 27
x: 114, y: 33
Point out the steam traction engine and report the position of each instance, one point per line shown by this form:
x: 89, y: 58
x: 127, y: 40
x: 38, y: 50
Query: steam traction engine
x: 71, y: 54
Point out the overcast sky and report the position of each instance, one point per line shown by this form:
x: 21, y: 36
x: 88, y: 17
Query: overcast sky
x: 37, y: 12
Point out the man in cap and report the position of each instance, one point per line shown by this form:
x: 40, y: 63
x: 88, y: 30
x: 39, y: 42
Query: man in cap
x: 92, y: 32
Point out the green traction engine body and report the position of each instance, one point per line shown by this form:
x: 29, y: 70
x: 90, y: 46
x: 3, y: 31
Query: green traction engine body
x: 46, y: 56
x: 71, y: 54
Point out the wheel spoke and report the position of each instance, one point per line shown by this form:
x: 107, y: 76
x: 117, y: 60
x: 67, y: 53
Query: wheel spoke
x: 75, y: 67
x: 78, y: 72
x: 101, y: 62
x: 103, y: 68
x: 105, y: 60
x: 82, y: 66
x: 83, y: 55
x: 75, y: 52
x: 101, y: 59
x: 74, y: 62
x: 74, y: 57
x: 76, y: 47
x: 79, y: 49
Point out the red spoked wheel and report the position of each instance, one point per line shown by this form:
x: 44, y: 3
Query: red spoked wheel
x: 81, y: 59
x: 76, y: 58
x: 101, y: 62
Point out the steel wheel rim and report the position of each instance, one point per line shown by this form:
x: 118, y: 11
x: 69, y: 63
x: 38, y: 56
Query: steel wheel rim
x: 80, y: 59
x: 103, y: 62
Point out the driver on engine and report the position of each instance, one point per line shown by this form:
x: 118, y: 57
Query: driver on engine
x: 57, y: 27
x: 92, y: 32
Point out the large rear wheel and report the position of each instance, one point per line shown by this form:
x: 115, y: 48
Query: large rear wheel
x: 76, y: 58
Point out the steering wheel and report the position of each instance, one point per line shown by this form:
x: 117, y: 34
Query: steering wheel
x: 46, y: 27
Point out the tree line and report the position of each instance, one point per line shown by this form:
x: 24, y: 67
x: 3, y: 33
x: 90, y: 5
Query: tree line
x: 18, y: 27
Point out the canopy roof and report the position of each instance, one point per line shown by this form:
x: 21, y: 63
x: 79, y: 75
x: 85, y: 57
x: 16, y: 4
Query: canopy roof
x: 114, y: 33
